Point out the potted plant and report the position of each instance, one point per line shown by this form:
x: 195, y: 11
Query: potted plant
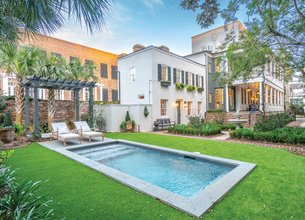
x: 7, y: 129
x: 128, y: 124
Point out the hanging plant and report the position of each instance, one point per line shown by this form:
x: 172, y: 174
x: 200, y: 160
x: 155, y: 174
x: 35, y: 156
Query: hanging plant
x: 146, y: 112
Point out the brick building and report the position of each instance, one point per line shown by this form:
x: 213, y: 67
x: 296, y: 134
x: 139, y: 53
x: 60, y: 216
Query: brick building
x: 106, y: 71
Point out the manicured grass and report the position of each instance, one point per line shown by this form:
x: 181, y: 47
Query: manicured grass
x: 274, y: 190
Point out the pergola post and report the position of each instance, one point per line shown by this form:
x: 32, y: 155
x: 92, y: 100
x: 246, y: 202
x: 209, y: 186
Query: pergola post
x: 36, y: 114
x: 91, y: 106
x: 27, y: 110
x: 76, y: 94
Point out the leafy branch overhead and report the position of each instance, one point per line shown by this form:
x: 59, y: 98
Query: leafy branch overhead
x: 275, y: 26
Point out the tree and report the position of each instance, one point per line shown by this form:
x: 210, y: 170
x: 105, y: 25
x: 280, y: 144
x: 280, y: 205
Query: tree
x: 81, y: 72
x: 20, y: 61
x: 54, y: 67
x: 280, y: 25
x: 48, y: 16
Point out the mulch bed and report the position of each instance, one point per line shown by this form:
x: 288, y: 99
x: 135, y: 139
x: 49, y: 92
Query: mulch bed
x: 296, y: 149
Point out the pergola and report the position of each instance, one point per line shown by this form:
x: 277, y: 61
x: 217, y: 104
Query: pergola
x: 56, y: 84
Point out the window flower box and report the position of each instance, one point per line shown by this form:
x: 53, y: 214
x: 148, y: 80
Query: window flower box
x: 180, y: 86
x: 165, y: 83
x: 200, y: 89
x: 191, y: 88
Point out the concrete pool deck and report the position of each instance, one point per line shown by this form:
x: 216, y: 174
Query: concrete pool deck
x: 195, y: 206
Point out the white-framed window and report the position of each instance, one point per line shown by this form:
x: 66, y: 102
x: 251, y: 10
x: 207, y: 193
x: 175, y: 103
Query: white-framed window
x: 210, y: 98
x: 164, y: 73
x: 11, y: 87
x: 199, y: 108
x: 59, y: 95
x: 132, y: 74
x: 178, y: 75
x: 86, y: 94
x: 163, y: 103
x: 41, y: 93
x: 190, y: 78
x: 200, y: 81
x: 189, y: 108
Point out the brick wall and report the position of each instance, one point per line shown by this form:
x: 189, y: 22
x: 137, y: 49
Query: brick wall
x: 64, y: 110
x: 225, y: 116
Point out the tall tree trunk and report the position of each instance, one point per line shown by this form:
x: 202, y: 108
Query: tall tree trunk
x: 51, y: 107
x: 19, y: 100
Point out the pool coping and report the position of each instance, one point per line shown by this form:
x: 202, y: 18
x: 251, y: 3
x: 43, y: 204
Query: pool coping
x: 195, y: 206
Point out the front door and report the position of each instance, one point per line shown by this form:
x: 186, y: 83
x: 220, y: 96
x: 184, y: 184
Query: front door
x: 178, y: 112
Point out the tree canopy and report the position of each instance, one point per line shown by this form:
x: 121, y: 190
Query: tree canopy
x: 275, y: 24
x: 48, y: 16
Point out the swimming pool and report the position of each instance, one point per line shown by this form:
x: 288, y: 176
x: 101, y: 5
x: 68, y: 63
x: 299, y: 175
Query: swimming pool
x: 190, y: 182
x: 179, y: 174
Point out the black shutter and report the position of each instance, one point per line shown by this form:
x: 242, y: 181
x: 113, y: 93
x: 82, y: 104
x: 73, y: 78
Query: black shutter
x: 197, y: 80
x: 186, y: 78
x: 175, y: 75
x: 182, y: 76
x: 104, y: 70
x: 169, y: 73
x: 114, y: 73
x: 202, y: 82
x: 193, y: 79
x: 114, y: 95
x: 159, y: 72
x: 105, y: 95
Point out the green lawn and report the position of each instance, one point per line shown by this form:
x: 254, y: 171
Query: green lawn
x: 274, y: 190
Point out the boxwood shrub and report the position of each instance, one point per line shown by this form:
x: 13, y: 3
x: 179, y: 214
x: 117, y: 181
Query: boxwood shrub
x: 290, y: 135
x: 205, y: 129
x: 273, y: 122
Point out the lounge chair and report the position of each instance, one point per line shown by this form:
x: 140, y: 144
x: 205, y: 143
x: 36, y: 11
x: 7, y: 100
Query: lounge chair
x: 83, y: 129
x: 61, y: 132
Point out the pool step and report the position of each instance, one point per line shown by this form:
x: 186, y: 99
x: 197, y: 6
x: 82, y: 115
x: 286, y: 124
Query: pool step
x: 96, y: 149
x: 118, y: 154
x: 107, y: 153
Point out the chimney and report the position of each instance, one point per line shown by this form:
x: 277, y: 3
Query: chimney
x: 122, y: 55
x: 165, y: 48
x: 137, y: 47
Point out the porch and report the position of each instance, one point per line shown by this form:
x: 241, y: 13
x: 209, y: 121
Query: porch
x: 249, y: 97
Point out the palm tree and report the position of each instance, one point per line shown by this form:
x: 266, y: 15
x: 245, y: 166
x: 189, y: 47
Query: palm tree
x: 46, y: 17
x: 20, y: 61
x: 81, y: 72
x: 54, y: 67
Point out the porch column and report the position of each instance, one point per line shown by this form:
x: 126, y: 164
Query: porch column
x: 101, y: 92
x: 261, y: 96
x: 227, y: 98
x: 271, y: 95
x: 266, y: 95
x: 27, y: 111
x: 36, y: 110
x: 91, y: 106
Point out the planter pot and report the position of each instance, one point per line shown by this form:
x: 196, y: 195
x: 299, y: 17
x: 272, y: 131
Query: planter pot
x: 7, y: 135
x: 129, y: 126
x: 165, y: 83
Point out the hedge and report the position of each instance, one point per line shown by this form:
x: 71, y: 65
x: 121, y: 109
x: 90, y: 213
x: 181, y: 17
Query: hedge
x: 272, y: 122
x: 206, y: 129
x: 290, y: 135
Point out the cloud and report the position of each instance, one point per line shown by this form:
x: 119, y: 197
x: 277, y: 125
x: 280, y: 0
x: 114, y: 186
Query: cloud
x: 152, y: 4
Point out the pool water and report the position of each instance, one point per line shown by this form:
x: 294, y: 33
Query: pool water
x: 179, y: 174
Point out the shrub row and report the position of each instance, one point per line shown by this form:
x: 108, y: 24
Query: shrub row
x: 205, y: 129
x: 288, y: 135
x: 272, y: 122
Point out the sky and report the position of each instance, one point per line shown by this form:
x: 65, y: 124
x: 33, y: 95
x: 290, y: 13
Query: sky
x: 146, y: 22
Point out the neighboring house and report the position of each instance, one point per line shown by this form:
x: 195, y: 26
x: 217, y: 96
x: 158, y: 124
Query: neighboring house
x: 242, y: 95
x: 296, y: 91
x: 149, y: 76
x: 106, y: 71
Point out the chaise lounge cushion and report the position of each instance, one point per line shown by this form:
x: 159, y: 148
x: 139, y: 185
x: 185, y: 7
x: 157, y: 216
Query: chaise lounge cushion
x: 68, y: 136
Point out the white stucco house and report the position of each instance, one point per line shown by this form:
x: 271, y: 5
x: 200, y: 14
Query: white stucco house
x: 149, y: 75
x: 259, y: 91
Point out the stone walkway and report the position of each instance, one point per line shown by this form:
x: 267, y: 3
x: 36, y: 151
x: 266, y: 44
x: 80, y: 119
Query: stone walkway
x: 299, y: 122
x: 225, y: 137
